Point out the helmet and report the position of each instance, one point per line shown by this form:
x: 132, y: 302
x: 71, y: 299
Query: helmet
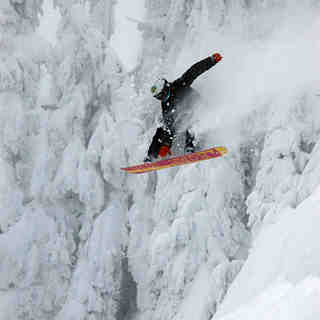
x: 157, y: 87
x: 161, y: 89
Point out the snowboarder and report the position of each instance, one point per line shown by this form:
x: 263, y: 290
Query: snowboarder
x: 175, y: 99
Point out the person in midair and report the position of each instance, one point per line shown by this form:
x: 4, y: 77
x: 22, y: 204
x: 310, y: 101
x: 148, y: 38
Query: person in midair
x: 176, y: 98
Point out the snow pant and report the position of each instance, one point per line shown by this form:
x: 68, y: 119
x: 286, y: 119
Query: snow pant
x: 165, y: 137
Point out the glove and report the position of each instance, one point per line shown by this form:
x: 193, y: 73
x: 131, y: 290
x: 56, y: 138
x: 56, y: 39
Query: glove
x: 217, y: 57
x: 164, y: 151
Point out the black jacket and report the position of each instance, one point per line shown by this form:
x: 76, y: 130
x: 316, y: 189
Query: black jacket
x: 180, y: 91
x: 173, y: 108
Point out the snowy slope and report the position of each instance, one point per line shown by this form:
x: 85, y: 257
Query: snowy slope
x: 283, y: 301
x: 284, y: 250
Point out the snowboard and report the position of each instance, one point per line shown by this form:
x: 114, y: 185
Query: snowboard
x: 178, y: 161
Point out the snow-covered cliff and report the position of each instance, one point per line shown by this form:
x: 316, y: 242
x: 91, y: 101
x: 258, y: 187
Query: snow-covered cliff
x: 230, y: 238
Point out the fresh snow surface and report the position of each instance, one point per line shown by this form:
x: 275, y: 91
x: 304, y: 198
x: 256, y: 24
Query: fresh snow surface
x: 282, y: 251
x: 230, y: 238
x: 283, y: 300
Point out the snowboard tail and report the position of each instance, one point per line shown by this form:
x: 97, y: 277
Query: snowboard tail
x: 178, y: 161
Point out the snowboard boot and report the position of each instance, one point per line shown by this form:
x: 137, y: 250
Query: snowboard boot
x: 147, y: 159
x: 189, y: 149
x: 189, y: 145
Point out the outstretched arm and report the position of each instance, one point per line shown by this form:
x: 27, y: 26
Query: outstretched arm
x: 196, y: 70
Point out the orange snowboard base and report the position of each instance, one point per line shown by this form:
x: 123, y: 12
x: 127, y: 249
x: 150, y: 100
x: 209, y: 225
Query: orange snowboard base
x: 178, y: 161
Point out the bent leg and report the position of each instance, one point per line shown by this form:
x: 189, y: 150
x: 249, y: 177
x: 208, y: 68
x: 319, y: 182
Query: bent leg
x: 161, y: 137
x: 189, y: 145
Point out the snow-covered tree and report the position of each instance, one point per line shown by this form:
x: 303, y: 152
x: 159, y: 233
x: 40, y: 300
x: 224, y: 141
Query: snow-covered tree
x: 80, y: 239
x: 81, y: 139
x: 190, y: 224
x: 186, y: 223
x: 35, y: 245
x: 21, y: 55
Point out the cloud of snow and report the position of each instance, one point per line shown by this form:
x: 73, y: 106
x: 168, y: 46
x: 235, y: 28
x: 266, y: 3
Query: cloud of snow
x: 255, y: 68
